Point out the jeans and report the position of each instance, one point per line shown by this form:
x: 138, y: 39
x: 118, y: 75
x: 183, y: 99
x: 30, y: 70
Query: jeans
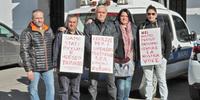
x: 48, y: 78
x: 69, y: 86
x: 160, y: 72
x: 123, y: 85
x: 111, y: 88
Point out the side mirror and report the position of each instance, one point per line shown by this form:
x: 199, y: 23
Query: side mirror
x: 193, y: 36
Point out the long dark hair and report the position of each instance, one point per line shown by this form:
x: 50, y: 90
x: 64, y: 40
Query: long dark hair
x: 128, y: 13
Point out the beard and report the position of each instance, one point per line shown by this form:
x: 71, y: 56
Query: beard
x: 38, y: 24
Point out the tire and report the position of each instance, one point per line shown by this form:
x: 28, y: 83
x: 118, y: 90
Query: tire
x: 194, y: 92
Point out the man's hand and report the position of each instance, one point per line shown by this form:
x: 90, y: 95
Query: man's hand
x: 30, y: 75
x: 62, y: 29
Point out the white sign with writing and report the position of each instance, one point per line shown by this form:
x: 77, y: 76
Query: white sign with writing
x: 150, y: 46
x: 72, y: 53
x: 102, y: 54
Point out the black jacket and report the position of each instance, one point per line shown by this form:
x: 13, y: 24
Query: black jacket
x: 36, y: 49
x: 95, y: 28
x: 166, y: 41
x: 120, y: 53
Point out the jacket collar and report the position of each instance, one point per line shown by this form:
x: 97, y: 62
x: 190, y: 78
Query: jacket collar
x: 35, y: 28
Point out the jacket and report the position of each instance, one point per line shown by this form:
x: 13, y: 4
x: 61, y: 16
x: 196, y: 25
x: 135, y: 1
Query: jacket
x: 36, y: 49
x: 120, y: 53
x: 166, y: 42
x: 57, y: 48
x: 97, y: 28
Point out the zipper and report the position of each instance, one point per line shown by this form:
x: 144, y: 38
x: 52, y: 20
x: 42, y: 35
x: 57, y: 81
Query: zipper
x: 45, y: 50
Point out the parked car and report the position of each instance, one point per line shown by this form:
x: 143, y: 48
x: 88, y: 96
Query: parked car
x: 9, y: 46
x: 194, y: 72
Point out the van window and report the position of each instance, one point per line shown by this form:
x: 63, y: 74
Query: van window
x: 181, y: 29
x: 140, y: 18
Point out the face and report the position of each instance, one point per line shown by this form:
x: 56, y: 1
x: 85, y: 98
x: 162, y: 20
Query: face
x: 124, y: 18
x: 38, y: 18
x: 72, y: 24
x: 151, y: 15
x: 101, y: 13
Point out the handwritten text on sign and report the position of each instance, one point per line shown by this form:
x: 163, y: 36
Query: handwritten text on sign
x: 72, y: 53
x: 150, y: 46
x: 102, y: 54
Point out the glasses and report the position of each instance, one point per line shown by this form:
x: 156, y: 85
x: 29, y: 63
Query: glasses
x: 151, y: 14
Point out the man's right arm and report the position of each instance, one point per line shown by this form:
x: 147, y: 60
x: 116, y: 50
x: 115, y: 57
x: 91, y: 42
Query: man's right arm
x: 25, y: 46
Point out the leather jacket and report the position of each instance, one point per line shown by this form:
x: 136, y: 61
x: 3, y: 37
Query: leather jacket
x: 36, y: 48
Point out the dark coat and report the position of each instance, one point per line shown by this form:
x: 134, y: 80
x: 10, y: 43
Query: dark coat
x: 166, y: 41
x: 95, y: 28
x: 36, y: 49
x: 120, y: 53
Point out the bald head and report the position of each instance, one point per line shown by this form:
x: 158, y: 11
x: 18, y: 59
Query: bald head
x: 101, y: 13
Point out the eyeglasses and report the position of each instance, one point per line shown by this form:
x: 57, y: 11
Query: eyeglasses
x: 151, y: 14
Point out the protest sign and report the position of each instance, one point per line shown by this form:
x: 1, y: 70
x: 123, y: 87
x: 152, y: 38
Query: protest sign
x: 102, y: 54
x: 72, y: 53
x: 150, y: 46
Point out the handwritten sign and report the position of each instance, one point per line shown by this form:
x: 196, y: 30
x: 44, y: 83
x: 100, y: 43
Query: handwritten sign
x: 72, y: 53
x: 102, y: 54
x: 150, y: 46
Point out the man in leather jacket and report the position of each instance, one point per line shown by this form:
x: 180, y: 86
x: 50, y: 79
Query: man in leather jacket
x: 36, y: 52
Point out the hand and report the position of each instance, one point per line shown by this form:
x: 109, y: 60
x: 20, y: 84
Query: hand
x: 30, y: 75
x: 89, y: 21
x: 62, y: 29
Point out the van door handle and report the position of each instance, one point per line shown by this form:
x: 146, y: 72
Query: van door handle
x: 179, y: 47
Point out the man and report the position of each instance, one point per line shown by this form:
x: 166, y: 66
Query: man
x: 69, y: 82
x: 100, y: 26
x: 166, y: 45
x: 36, y: 52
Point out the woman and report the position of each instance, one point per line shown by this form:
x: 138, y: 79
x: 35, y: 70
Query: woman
x: 124, y: 54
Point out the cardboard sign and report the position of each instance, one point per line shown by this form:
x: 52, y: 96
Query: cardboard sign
x: 150, y: 46
x: 102, y: 54
x: 72, y: 53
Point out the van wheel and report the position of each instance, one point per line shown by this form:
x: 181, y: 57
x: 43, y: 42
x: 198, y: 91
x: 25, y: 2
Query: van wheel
x: 143, y: 85
x: 194, y: 93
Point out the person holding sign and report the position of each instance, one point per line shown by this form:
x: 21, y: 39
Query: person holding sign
x: 36, y: 52
x: 69, y: 81
x: 155, y: 47
x: 124, y: 54
x: 100, y: 27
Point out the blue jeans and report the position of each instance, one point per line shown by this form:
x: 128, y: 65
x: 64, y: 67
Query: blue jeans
x: 160, y: 72
x: 48, y: 78
x: 123, y: 85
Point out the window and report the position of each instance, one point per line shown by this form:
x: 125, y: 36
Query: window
x: 181, y: 29
x: 4, y: 32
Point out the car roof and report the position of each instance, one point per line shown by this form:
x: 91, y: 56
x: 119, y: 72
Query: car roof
x: 134, y: 4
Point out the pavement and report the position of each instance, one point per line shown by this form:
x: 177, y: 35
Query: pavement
x: 14, y: 85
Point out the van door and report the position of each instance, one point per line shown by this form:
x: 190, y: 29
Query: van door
x: 182, y: 47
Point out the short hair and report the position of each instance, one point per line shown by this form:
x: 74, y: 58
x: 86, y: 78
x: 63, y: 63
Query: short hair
x: 151, y: 7
x: 101, y: 6
x: 70, y: 16
x: 37, y: 10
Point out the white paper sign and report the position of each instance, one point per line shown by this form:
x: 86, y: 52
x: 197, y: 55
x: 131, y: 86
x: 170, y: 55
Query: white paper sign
x: 150, y: 46
x: 72, y: 53
x: 102, y: 54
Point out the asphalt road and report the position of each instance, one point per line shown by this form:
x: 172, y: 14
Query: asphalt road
x: 13, y: 86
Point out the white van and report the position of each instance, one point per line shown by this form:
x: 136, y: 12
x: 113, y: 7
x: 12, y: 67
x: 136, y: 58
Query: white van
x: 180, y: 34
